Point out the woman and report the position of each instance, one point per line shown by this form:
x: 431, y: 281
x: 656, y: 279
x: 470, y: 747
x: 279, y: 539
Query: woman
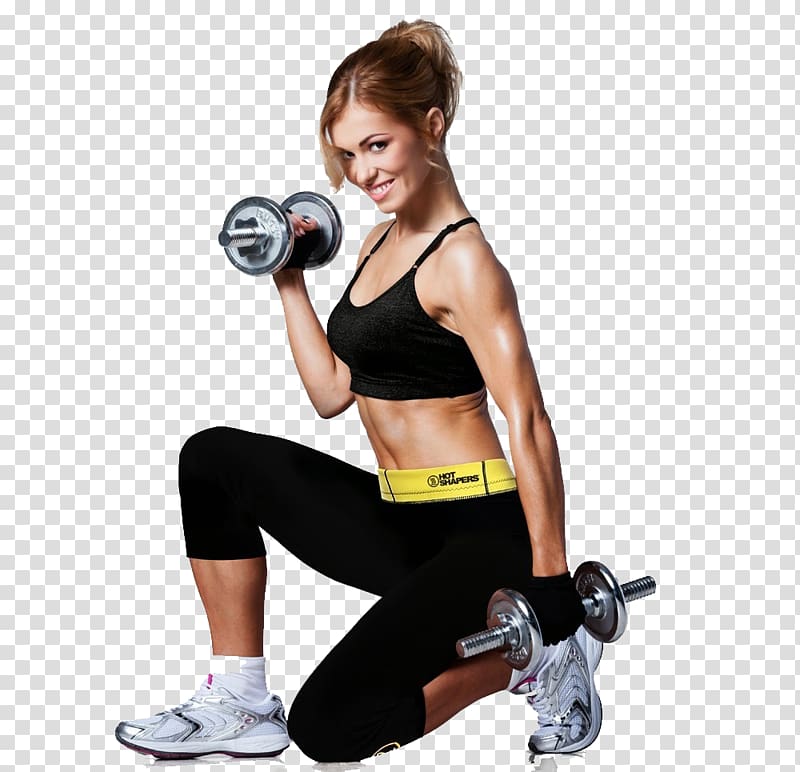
x: 428, y: 323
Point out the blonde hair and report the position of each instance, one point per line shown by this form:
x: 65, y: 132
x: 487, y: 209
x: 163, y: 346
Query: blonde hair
x: 408, y: 70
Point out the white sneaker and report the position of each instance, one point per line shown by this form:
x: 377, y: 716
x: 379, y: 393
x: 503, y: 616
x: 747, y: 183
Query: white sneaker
x: 563, y: 693
x: 214, y: 720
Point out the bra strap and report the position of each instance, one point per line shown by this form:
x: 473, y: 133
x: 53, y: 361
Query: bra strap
x: 434, y: 245
x: 372, y: 251
x: 382, y: 238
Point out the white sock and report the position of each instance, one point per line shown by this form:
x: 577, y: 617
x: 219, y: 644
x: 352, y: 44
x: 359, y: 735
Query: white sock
x: 245, y: 676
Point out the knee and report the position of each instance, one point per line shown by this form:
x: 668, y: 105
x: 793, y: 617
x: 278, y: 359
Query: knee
x: 333, y: 722
x: 209, y: 448
x: 316, y: 728
x: 310, y: 730
x: 201, y: 446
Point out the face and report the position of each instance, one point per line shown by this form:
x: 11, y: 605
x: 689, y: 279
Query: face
x: 375, y: 148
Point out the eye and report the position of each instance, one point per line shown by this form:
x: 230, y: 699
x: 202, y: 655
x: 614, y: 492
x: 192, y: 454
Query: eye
x: 347, y: 155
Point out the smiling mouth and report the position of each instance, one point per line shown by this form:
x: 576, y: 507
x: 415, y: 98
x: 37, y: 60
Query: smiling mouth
x: 382, y: 188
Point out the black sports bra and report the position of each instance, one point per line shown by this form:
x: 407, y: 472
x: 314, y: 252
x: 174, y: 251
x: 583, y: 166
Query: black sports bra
x: 393, y: 348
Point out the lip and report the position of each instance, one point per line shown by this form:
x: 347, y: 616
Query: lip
x: 379, y: 196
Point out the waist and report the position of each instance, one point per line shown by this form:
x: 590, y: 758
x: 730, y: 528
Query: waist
x: 447, y: 483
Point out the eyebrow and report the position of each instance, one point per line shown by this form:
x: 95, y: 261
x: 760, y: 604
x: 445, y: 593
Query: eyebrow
x: 364, y: 141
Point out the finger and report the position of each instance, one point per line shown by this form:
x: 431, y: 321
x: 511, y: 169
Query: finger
x: 297, y: 224
x: 302, y: 224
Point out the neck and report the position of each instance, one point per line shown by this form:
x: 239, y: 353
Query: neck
x: 438, y: 204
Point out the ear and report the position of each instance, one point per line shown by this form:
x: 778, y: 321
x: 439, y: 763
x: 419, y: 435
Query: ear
x: 435, y: 121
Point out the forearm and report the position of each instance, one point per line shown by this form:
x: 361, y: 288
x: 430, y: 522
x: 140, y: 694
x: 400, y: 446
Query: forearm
x: 541, y: 489
x: 314, y: 359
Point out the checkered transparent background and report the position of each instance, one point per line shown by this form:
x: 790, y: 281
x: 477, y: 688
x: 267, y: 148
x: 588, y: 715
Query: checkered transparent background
x: 636, y: 170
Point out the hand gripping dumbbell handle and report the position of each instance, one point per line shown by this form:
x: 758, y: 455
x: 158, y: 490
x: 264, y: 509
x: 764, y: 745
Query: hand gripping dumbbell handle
x: 501, y: 636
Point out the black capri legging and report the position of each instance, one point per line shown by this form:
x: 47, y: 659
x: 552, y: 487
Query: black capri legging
x: 434, y: 566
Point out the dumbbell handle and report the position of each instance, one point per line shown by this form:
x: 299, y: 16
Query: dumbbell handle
x: 247, y: 237
x: 504, y: 634
x: 638, y: 588
x: 242, y: 237
x: 487, y: 640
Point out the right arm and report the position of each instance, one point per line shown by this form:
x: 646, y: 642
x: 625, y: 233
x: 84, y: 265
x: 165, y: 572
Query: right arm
x: 326, y: 377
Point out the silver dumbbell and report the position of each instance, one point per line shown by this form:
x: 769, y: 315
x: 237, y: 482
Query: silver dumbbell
x: 258, y: 235
x: 513, y: 627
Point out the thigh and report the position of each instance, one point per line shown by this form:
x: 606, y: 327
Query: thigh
x: 379, y: 669
x: 323, y: 510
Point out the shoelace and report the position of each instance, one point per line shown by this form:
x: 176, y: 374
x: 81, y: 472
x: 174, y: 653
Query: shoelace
x: 543, y: 706
x: 197, y: 698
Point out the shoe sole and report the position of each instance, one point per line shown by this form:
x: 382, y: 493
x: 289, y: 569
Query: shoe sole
x: 187, y: 754
x: 596, y: 708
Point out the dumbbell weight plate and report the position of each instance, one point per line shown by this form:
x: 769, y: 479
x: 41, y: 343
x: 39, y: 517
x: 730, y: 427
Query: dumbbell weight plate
x: 270, y: 254
x: 594, y: 580
x: 330, y: 237
x: 510, y: 607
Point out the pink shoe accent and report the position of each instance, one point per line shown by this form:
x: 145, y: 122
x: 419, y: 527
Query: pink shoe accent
x: 525, y: 685
x: 210, y: 679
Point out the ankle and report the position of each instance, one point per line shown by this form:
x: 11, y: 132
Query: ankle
x: 244, y: 676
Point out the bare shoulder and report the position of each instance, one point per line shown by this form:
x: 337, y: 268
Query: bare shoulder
x: 469, y: 245
x: 372, y: 239
x: 471, y: 269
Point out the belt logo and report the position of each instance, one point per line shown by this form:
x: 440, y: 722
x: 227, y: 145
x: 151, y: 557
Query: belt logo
x: 449, y: 478
x: 384, y: 749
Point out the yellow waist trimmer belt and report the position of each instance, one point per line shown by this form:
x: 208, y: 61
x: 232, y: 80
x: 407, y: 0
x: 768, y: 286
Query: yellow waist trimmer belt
x: 447, y: 483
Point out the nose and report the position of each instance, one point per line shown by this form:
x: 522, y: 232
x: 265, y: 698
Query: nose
x: 364, y: 173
